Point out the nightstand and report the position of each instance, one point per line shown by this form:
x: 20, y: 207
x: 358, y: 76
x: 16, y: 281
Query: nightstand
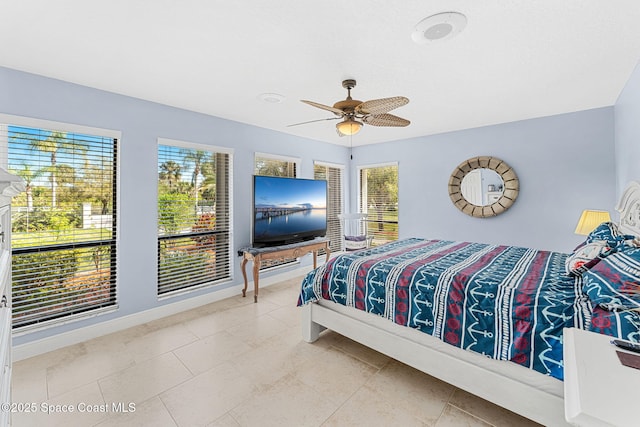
x: 598, y: 389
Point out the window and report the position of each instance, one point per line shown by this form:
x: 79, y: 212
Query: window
x: 194, y: 216
x: 64, y: 224
x: 273, y: 165
x: 333, y: 175
x: 378, y: 197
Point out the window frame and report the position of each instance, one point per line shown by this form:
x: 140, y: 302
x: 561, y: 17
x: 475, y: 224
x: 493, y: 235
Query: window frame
x: 364, y: 209
x: 212, y: 149
x: 7, y: 120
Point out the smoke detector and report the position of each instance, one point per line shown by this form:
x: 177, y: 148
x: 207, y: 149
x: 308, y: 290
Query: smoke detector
x: 438, y: 27
x: 271, y: 98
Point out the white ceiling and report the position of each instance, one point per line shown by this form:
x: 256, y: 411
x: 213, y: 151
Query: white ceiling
x: 516, y: 59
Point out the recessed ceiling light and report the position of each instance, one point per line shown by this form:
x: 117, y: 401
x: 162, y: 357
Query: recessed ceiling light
x: 441, y: 26
x: 271, y: 98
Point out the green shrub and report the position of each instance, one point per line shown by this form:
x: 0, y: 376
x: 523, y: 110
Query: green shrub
x: 40, y: 276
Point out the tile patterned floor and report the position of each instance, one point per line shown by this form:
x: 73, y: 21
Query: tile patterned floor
x: 235, y: 363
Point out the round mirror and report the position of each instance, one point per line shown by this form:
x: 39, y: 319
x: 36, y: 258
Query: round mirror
x: 483, y: 186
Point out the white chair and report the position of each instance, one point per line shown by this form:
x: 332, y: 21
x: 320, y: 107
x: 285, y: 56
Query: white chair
x: 354, y: 231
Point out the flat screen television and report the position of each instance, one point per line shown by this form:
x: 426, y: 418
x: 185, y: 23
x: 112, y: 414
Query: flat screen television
x: 288, y: 210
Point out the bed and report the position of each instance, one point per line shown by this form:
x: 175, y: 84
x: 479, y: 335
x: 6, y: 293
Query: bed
x: 488, y: 319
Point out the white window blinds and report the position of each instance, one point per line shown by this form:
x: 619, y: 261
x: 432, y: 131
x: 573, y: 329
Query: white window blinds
x: 63, y: 225
x: 194, y: 214
x: 269, y: 165
x: 333, y: 175
x: 379, y: 199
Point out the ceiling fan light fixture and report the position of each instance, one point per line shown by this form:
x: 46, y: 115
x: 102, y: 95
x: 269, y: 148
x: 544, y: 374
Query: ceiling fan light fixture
x: 438, y: 27
x: 348, y: 127
x: 373, y: 112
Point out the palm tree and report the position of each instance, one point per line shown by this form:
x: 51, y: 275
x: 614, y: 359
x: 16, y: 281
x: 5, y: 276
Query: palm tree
x: 55, y: 143
x: 28, y: 176
x: 97, y: 180
x: 170, y: 173
x: 197, y: 157
x: 208, y: 185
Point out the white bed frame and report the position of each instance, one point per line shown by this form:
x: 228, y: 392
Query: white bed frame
x: 514, y: 387
x: 629, y: 209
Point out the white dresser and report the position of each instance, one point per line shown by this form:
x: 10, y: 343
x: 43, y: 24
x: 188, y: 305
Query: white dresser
x: 10, y: 185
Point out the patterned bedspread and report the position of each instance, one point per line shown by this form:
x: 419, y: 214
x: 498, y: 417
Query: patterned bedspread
x: 505, y: 302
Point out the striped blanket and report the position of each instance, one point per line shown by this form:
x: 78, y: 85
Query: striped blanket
x: 505, y: 302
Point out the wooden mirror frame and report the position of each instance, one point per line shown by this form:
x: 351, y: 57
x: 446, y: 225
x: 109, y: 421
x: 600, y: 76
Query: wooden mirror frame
x: 509, y: 193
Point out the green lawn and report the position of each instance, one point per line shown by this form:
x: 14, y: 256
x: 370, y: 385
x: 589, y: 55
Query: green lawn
x: 44, y: 238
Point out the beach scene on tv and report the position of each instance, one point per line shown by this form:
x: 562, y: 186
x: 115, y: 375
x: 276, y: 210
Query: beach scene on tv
x: 287, y: 208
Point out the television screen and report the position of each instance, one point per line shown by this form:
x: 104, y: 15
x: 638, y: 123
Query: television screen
x: 287, y: 210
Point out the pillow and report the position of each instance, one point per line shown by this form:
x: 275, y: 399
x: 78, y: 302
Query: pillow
x: 586, y: 257
x: 609, y: 232
x: 354, y: 243
x: 604, y: 240
x: 614, y: 282
x: 605, y: 231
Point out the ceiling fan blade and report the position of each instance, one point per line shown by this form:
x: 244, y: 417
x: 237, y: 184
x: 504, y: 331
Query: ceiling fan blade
x: 385, y: 120
x: 381, y: 106
x: 335, y: 111
x: 313, y: 121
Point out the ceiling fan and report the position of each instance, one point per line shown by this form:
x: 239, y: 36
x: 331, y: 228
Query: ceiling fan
x: 355, y: 114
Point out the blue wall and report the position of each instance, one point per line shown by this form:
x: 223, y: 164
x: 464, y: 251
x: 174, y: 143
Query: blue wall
x: 141, y: 123
x: 565, y: 164
x: 627, y: 131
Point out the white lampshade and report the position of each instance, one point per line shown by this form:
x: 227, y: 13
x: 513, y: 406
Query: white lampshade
x: 349, y: 127
x: 589, y: 220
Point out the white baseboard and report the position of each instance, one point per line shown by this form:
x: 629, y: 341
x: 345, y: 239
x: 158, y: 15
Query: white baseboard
x: 54, y: 342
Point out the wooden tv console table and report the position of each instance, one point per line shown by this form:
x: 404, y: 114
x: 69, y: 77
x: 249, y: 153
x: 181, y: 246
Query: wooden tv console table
x: 294, y: 250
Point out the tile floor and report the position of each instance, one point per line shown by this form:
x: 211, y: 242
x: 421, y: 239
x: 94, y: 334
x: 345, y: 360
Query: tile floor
x: 235, y: 363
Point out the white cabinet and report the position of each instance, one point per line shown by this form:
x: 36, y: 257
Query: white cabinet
x: 10, y: 185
